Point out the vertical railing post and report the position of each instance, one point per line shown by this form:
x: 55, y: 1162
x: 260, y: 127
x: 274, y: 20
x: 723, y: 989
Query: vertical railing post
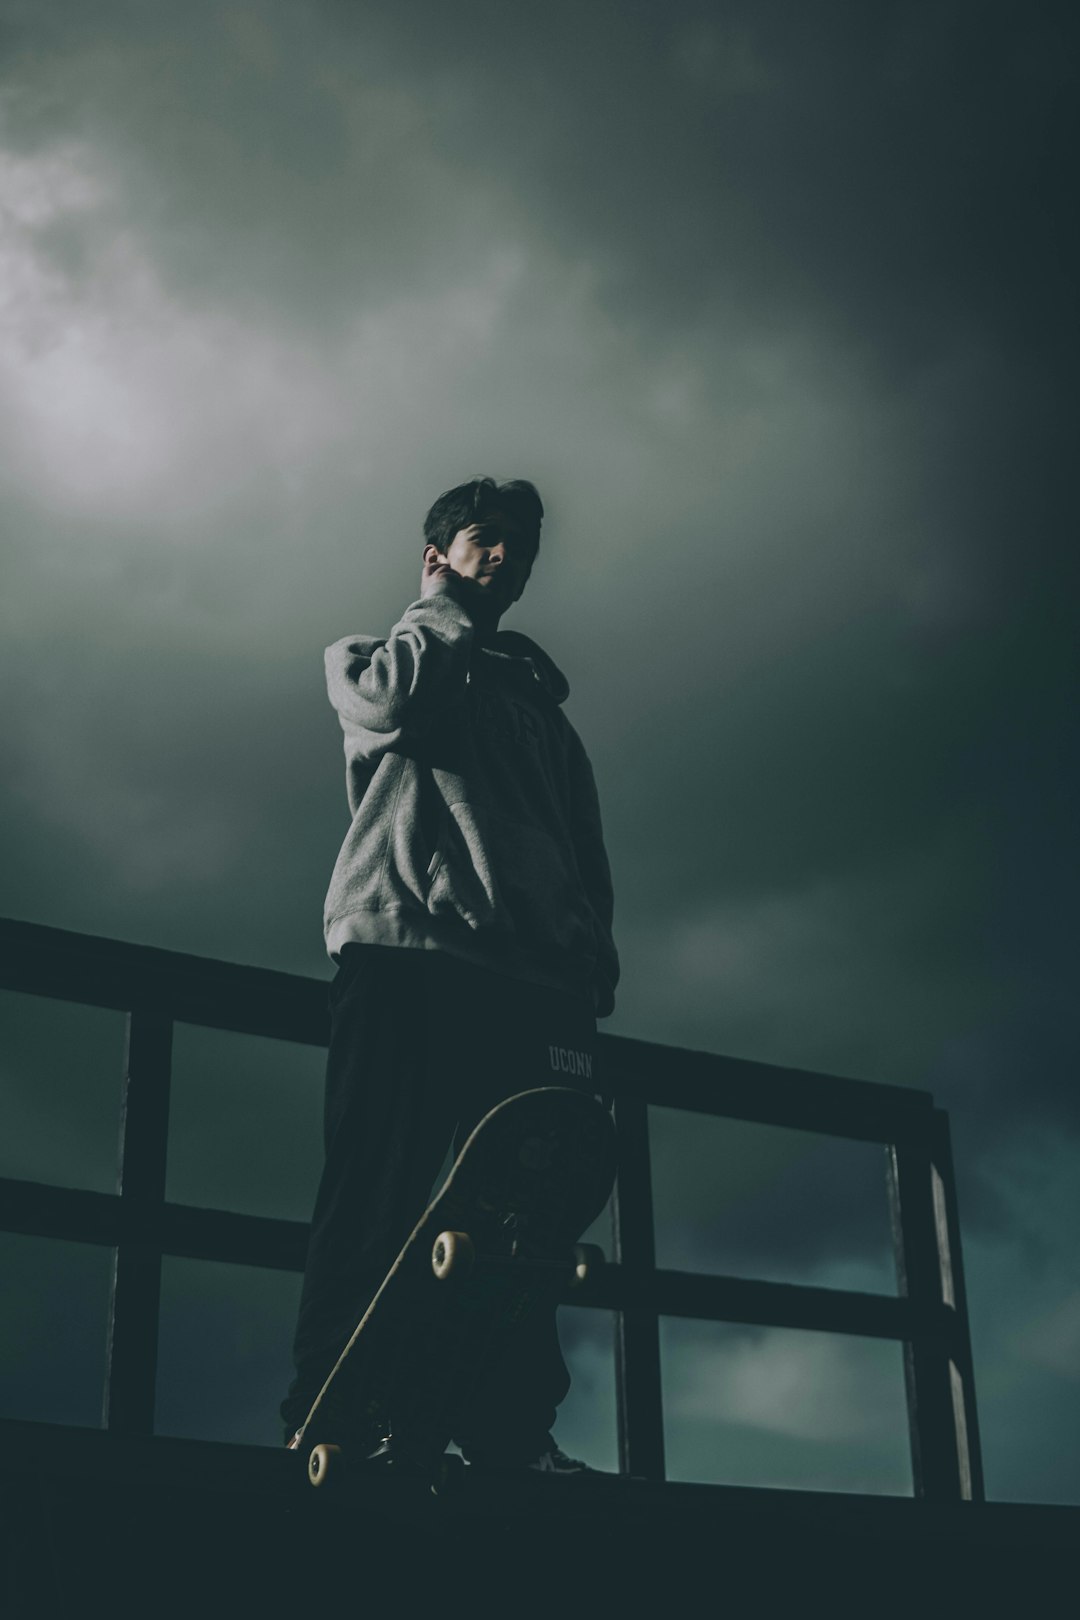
x: 131, y: 1354
x: 937, y: 1359
x: 637, y: 1351
x: 962, y: 1367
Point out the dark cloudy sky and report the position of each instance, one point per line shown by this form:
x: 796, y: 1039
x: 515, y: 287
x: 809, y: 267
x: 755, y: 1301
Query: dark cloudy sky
x: 776, y: 304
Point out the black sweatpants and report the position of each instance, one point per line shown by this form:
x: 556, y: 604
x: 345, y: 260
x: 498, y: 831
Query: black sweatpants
x: 422, y: 1045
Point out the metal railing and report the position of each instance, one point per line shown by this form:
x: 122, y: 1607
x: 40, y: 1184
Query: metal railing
x: 157, y: 988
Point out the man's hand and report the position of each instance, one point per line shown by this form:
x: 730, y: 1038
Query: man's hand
x: 435, y: 570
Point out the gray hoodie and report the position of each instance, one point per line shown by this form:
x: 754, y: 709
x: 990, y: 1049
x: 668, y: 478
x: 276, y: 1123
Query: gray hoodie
x: 476, y: 827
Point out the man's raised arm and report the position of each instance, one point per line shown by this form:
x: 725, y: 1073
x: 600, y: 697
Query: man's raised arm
x: 387, y: 689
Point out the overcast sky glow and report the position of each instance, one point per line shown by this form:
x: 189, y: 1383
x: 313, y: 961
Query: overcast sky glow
x: 776, y: 304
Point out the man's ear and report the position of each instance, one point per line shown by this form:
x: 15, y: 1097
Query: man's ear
x: 431, y: 550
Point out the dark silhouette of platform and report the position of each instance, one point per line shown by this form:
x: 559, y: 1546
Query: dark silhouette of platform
x: 120, y: 1522
x: 94, y: 1523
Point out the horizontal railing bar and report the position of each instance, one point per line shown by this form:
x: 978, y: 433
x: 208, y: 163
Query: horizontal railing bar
x: 243, y: 1240
x: 192, y: 989
x: 180, y: 1230
x: 758, y: 1304
x: 72, y: 1214
x: 736, y: 1088
x: 184, y: 1231
x: 262, y: 1001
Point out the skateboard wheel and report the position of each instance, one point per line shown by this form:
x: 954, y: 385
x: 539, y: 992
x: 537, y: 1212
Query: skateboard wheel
x: 452, y: 1255
x: 587, y: 1257
x: 324, y: 1465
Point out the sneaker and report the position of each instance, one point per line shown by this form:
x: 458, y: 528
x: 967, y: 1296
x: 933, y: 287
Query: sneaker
x: 553, y: 1460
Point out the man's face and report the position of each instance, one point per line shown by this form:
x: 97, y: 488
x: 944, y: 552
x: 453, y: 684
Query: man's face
x: 497, y: 554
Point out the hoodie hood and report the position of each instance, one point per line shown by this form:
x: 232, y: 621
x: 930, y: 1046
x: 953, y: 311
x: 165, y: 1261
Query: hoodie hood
x: 512, y: 646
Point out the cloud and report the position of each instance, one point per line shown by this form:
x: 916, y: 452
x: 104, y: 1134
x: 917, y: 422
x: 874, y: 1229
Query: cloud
x: 1053, y: 1340
x: 124, y: 401
x: 804, y: 965
x: 808, y: 1386
x: 315, y: 282
x: 777, y: 309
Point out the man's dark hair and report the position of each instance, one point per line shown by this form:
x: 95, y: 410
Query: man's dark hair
x: 470, y: 503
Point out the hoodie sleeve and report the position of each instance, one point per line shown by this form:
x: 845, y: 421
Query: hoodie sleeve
x: 387, y: 690
x: 595, y: 871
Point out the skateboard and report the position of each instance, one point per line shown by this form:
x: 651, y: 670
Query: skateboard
x: 497, y: 1243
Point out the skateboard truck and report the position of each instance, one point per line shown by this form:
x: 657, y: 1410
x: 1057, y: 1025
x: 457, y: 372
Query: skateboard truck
x: 328, y: 1466
x: 453, y: 1256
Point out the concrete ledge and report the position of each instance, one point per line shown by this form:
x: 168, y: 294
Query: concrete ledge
x: 149, y: 1527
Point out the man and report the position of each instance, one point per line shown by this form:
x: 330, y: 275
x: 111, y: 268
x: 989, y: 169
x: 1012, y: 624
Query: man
x: 470, y: 914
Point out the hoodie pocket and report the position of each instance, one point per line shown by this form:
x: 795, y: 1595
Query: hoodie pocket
x: 458, y: 871
x: 508, y: 875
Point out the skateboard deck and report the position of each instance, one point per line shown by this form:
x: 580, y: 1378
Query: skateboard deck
x: 496, y: 1244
